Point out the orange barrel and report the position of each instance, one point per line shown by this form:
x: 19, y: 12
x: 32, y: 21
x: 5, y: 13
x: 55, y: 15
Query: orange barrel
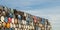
x: 8, y: 25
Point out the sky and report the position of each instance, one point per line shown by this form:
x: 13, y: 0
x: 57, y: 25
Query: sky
x: 49, y: 9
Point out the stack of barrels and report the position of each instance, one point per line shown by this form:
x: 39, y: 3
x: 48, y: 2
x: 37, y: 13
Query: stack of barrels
x: 12, y: 19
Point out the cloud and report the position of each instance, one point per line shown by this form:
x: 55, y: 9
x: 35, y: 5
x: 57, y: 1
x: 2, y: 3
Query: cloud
x: 46, y: 11
x: 30, y: 4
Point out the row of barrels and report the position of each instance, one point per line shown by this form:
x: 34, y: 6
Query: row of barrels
x: 12, y: 18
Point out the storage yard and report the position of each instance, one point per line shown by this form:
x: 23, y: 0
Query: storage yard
x: 12, y: 19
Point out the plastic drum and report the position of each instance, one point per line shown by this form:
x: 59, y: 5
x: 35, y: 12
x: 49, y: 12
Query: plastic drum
x: 2, y: 18
x: 8, y: 25
x: 15, y: 21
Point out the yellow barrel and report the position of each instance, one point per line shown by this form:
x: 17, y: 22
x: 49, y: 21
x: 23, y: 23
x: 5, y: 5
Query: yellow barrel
x: 8, y: 25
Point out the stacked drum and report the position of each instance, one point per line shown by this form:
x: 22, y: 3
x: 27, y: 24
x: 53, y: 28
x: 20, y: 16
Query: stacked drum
x: 12, y: 19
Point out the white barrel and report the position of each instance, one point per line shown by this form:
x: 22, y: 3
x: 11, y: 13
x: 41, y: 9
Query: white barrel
x: 12, y: 20
x: 2, y: 18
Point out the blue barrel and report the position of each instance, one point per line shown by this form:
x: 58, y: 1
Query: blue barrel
x: 11, y: 15
x: 19, y: 17
x: 12, y: 29
x: 28, y: 20
x: 43, y: 21
x: 6, y: 19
